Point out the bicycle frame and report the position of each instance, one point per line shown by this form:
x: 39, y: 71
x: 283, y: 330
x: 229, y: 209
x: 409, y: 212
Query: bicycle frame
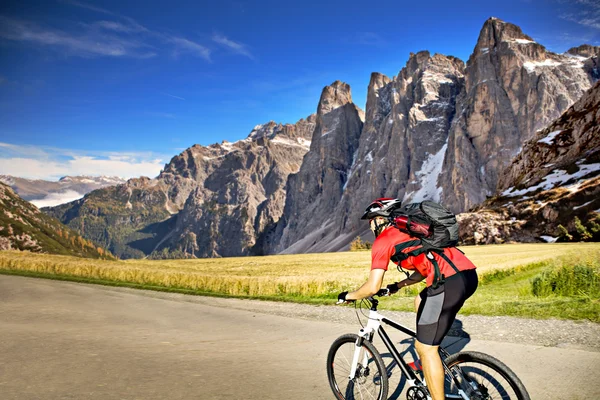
x: 374, y: 324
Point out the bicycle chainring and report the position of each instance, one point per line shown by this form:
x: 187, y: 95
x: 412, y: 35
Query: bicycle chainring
x: 417, y: 393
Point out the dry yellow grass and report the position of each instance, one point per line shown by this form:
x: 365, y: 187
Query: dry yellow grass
x: 304, y: 275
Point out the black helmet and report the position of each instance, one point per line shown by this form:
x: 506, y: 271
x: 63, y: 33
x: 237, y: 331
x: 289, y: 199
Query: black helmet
x: 381, y: 208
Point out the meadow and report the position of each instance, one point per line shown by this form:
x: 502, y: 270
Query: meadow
x: 507, y: 273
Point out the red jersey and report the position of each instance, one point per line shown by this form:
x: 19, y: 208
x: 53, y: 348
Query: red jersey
x: 392, y: 242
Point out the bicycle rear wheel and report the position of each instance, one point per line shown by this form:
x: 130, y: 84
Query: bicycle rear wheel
x: 370, y: 381
x: 483, y: 377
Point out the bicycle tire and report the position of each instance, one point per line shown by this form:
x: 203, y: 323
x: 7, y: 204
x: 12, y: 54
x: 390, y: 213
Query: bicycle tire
x: 487, y: 372
x: 339, y: 360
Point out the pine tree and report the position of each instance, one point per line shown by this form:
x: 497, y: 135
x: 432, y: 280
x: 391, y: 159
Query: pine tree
x: 564, y: 234
x: 582, y: 230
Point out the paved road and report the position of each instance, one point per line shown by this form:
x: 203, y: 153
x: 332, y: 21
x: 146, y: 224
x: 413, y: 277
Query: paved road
x: 61, y: 340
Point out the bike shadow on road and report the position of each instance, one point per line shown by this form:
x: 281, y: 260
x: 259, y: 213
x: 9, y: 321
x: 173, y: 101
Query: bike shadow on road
x: 455, y: 341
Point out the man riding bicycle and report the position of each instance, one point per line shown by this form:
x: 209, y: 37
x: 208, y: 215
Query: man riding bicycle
x: 437, y: 304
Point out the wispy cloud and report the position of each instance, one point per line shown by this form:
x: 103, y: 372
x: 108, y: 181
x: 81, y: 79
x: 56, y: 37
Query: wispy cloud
x: 160, y: 114
x: 588, y: 14
x: 88, y: 7
x: 369, y: 39
x: 172, y: 95
x: 36, y: 162
x: 119, y: 36
x: 236, y: 47
x: 128, y: 27
x: 85, y: 44
x: 183, y: 45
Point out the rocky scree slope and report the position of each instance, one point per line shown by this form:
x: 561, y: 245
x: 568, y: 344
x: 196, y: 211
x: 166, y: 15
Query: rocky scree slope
x: 553, y: 180
x: 24, y: 227
x: 208, y: 201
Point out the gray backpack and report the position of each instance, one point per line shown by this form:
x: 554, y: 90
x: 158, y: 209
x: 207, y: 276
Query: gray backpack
x: 433, y: 225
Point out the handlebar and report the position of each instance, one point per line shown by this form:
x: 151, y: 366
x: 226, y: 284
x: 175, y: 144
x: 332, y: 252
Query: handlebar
x: 380, y: 293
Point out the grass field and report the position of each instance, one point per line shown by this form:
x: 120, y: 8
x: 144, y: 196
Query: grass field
x: 317, y: 278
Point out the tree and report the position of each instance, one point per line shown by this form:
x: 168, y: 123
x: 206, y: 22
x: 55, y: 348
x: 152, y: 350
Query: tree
x: 584, y: 234
x: 357, y: 244
x: 564, y: 234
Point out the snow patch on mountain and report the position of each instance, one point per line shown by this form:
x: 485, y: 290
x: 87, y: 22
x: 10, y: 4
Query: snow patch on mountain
x: 531, y: 66
x: 549, y: 139
x: 428, y: 178
x: 556, y: 178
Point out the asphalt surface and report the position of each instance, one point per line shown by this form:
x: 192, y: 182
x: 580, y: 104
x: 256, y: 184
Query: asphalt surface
x: 62, y: 340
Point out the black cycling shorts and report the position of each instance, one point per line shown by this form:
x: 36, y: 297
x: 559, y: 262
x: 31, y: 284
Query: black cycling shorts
x: 439, y: 306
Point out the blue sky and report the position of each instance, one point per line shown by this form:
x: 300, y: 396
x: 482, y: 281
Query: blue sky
x: 119, y: 87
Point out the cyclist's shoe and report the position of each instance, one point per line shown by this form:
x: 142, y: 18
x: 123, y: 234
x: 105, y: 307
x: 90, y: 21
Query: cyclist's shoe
x: 416, y: 365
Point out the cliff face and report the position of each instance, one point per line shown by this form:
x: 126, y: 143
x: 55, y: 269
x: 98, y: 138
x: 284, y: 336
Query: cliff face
x: 445, y: 131
x: 405, y: 135
x: 513, y: 87
x: 315, y: 191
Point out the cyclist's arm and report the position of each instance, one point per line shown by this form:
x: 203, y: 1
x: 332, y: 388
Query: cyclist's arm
x: 415, y: 277
x: 370, y: 287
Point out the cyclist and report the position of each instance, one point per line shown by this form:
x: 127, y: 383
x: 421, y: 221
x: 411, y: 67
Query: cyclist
x: 436, y: 305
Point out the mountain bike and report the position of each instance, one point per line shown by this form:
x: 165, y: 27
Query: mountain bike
x: 356, y: 369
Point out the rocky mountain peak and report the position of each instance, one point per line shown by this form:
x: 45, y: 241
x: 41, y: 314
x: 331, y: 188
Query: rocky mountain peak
x: 336, y: 95
x: 585, y: 50
x: 495, y: 32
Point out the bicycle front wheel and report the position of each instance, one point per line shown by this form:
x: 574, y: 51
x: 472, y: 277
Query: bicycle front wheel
x: 482, y: 377
x: 370, y: 380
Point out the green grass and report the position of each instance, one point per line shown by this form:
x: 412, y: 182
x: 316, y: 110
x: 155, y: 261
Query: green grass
x: 505, y: 284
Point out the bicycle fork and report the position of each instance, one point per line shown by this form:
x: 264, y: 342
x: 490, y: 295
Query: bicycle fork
x: 356, y: 357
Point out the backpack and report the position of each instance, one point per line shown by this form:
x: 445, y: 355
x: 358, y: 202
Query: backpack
x: 434, y: 226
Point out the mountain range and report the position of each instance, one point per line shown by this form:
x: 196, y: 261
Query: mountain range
x: 442, y: 129
x: 44, y: 193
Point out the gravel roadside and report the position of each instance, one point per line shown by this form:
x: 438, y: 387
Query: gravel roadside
x: 583, y: 335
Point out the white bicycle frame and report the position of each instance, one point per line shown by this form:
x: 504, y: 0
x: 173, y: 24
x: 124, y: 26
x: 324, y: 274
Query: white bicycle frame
x: 373, y: 325
x: 367, y: 333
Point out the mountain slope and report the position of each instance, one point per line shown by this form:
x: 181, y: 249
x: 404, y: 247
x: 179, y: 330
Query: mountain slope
x: 24, y: 227
x: 513, y: 87
x: 553, y: 180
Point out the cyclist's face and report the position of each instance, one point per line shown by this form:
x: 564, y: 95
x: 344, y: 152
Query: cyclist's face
x: 376, y: 225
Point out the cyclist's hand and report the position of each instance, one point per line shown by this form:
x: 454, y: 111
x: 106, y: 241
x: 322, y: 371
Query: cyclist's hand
x: 342, y: 298
x: 383, y: 292
x: 393, y: 287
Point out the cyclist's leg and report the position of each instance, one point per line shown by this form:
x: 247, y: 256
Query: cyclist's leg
x: 432, y: 369
x: 437, y: 309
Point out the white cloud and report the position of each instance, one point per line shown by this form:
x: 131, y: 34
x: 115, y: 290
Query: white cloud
x: 55, y: 199
x: 88, y: 7
x: 35, y: 162
x: 121, y: 37
x: 183, y: 45
x: 588, y: 14
x: 84, y: 44
x: 172, y: 95
x: 236, y: 47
